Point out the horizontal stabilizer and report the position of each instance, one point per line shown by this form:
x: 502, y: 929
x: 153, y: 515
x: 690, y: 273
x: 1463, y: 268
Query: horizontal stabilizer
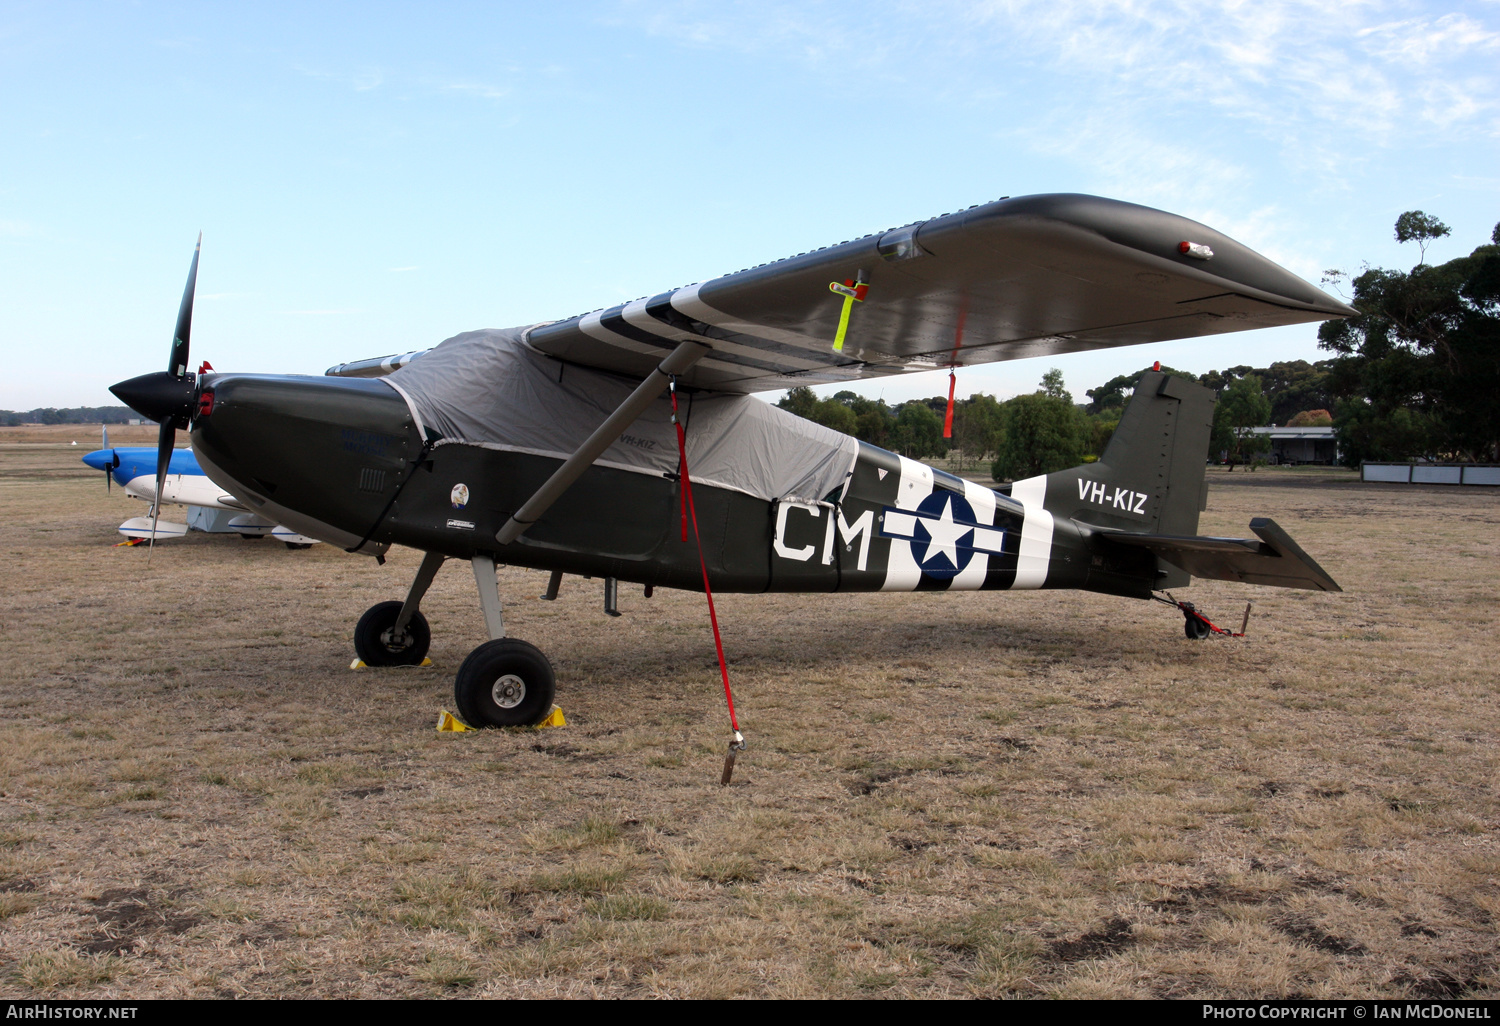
x: 286, y: 534
x: 249, y: 523
x: 1275, y: 561
x: 140, y: 527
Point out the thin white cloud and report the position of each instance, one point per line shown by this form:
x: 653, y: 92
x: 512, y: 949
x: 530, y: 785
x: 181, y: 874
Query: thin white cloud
x: 1297, y: 70
x: 1125, y: 160
x: 483, y: 90
x: 360, y: 81
x: 1184, y: 104
x: 370, y: 79
x: 1418, y: 42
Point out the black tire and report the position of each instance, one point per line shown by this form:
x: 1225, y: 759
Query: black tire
x: 1195, y: 628
x: 374, y: 644
x: 252, y: 537
x: 294, y: 546
x: 504, y: 683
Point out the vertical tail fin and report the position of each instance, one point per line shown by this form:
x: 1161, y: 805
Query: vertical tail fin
x: 1150, y: 479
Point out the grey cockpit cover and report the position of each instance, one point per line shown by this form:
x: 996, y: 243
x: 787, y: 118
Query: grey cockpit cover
x: 490, y: 388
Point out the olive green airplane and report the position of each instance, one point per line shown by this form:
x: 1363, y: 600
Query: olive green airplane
x: 586, y: 446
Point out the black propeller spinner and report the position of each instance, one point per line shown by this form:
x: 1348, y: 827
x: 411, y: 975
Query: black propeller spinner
x: 170, y: 396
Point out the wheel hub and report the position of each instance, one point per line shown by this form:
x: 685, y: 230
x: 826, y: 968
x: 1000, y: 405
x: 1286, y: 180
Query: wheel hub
x: 395, y: 641
x: 509, y: 691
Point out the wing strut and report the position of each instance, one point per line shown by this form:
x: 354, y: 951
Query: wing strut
x: 605, y: 435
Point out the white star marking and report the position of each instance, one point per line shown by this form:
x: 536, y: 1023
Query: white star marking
x: 945, y: 534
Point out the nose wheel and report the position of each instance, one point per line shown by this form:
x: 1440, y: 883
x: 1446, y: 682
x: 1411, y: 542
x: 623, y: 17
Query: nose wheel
x: 378, y: 641
x: 504, y: 683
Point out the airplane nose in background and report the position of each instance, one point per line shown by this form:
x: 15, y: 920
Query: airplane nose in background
x: 99, y: 459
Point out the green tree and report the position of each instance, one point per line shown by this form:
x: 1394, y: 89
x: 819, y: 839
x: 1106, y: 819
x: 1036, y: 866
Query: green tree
x: 1042, y: 434
x: 1112, y: 395
x: 1098, y: 431
x: 1290, y: 386
x: 918, y: 431
x: 873, y: 419
x: 1423, y: 229
x: 1295, y: 385
x: 1367, y: 433
x: 1242, y: 407
x: 977, y: 426
x: 1417, y: 373
x: 874, y: 424
x: 1052, y: 385
x: 800, y: 400
x: 1220, y: 380
x: 834, y: 414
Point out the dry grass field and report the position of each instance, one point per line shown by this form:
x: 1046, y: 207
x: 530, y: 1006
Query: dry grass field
x: 86, y: 435
x: 1046, y: 794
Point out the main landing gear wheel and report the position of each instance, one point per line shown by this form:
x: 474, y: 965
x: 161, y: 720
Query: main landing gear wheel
x: 377, y: 643
x: 1194, y: 628
x: 504, y: 683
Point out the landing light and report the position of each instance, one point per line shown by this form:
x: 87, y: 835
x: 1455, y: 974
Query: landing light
x: 1196, y: 250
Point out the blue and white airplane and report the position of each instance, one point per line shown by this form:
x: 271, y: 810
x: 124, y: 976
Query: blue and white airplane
x: 209, y: 507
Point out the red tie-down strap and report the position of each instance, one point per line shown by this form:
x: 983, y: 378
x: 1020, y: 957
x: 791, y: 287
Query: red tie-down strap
x: 948, y: 420
x: 690, y: 512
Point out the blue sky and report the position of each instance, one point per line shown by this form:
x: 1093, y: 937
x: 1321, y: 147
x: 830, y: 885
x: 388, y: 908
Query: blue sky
x: 374, y: 178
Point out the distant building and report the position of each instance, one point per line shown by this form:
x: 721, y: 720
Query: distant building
x: 1291, y: 446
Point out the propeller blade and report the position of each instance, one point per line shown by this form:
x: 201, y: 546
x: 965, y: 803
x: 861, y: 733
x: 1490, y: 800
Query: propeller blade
x: 169, y: 397
x: 165, y: 440
x: 178, y: 364
x: 108, y: 471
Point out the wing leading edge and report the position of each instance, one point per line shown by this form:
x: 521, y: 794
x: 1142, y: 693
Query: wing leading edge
x: 1031, y: 276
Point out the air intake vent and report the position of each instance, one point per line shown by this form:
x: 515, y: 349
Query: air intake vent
x: 371, y: 480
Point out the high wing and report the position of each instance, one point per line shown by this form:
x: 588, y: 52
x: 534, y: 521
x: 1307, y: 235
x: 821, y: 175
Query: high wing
x: 1031, y: 276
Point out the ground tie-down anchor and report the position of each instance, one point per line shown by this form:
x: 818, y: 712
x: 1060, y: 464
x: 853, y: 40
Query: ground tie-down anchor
x: 736, y: 746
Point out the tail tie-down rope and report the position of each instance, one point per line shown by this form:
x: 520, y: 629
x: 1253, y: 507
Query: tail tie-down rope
x: 737, y: 741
